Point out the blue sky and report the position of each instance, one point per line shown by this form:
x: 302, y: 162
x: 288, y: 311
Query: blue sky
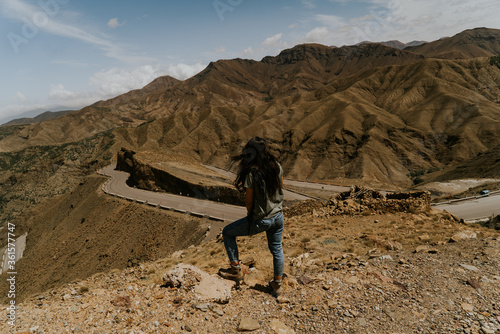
x: 72, y: 53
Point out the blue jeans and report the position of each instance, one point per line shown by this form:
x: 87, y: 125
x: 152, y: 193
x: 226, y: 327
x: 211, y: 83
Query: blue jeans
x: 274, y: 230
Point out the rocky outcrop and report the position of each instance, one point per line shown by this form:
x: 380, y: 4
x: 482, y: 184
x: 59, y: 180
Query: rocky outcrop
x: 493, y: 222
x: 148, y: 177
x: 360, y: 200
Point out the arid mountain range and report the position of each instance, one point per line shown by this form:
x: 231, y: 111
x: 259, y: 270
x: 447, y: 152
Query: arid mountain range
x: 480, y: 42
x: 399, y: 45
x: 365, y: 114
x: 369, y: 113
x: 39, y: 118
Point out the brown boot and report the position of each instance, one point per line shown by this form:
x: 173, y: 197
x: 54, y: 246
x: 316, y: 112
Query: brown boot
x: 276, y: 288
x: 233, y: 273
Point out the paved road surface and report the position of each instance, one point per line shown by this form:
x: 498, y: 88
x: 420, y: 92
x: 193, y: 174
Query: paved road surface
x: 300, y: 184
x: 474, y: 209
x: 117, y: 186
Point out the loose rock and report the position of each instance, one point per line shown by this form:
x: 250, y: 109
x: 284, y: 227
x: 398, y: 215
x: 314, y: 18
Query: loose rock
x: 248, y: 325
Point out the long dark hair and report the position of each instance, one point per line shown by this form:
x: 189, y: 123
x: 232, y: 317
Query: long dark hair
x: 255, y: 158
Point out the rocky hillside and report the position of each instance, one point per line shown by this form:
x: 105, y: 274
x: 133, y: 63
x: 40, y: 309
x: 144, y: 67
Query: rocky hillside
x: 376, y: 127
x: 349, y: 269
x: 484, y: 165
x: 29, y: 177
x: 162, y: 172
x: 85, y: 231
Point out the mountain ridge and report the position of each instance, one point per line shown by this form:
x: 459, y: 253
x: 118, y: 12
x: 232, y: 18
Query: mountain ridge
x: 420, y: 111
x: 39, y: 117
x: 471, y: 43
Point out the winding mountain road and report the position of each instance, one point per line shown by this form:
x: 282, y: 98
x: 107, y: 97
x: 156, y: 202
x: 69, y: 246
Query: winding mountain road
x: 117, y: 186
x: 469, y: 210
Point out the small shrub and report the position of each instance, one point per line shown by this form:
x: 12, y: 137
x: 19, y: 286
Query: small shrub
x: 432, y: 170
x: 417, y: 180
x: 268, y: 99
x: 495, y: 61
x: 329, y: 241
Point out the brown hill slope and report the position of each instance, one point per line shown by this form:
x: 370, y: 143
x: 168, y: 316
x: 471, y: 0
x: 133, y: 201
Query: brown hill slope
x: 484, y: 165
x: 86, y: 231
x: 32, y: 175
x: 479, y: 42
x: 160, y: 84
x: 376, y: 126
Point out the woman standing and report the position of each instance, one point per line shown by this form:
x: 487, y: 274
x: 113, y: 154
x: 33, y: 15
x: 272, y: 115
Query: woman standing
x: 261, y: 177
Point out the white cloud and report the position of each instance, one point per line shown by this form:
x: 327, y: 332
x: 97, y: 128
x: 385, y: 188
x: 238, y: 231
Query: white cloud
x: 113, y: 23
x: 221, y: 49
x: 273, y: 43
x: 429, y: 19
x: 273, y: 40
x: 308, y: 3
x: 405, y: 20
x: 117, y: 81
x: 58, y: 92
x: 332, y: 21
x: 248, y: 52
x: 184, y: 71
x: 60, y: 96
x: 317, y: 35
x: 20, y: 97
x: 42, y: 20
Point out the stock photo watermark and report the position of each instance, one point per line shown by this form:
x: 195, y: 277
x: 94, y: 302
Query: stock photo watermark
x: 223, y: 6
x: 9, y: 264
x: 40, y: 18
